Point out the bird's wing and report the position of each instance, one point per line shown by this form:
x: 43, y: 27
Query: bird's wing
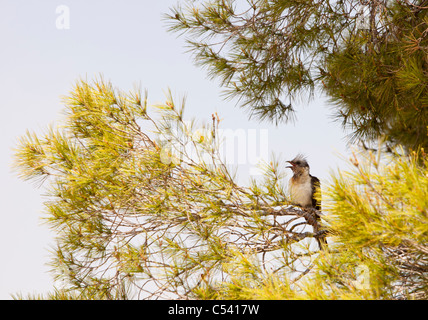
x: 316, y: 184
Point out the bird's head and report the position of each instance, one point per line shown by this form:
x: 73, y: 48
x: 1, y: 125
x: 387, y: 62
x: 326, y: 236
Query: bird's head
x: 299, y: 164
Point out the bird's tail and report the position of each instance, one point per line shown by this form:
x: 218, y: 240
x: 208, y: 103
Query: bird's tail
x: 321, y: 240
x: 322, y: 243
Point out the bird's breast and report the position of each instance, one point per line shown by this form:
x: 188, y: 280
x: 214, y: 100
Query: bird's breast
x: 301, y: 192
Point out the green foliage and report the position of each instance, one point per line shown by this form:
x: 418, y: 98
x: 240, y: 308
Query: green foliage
x: 379, y: 214
x: 269, y: 53
x: 262, y: 52
x: 378, y: 218
x: 380, y: 87
x: 143, y: 205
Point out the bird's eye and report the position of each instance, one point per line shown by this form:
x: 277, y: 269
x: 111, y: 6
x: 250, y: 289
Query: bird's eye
x: 298, y: 163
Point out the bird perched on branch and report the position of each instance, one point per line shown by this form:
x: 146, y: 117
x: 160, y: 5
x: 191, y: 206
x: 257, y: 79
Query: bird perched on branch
x: 303, y: 187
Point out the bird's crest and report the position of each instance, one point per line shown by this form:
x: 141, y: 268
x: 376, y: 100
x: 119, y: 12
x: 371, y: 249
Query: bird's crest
x: 300, y: 160
x: 300, y: 156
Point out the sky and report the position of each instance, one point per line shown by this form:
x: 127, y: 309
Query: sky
x: 48, y: 45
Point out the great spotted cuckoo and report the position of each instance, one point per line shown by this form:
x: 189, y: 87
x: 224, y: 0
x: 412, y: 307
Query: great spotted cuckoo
x: 303, y: 187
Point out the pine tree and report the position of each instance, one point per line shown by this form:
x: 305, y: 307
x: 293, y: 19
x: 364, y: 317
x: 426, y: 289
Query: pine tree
x: 368, y: 57
x: 143, y: 205
x: 377, y: 213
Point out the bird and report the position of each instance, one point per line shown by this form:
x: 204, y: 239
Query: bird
x: 303, y: 187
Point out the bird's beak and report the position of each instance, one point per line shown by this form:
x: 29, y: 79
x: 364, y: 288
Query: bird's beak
x: 292, y: 164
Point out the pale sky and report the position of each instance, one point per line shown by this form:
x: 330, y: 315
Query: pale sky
x: 126, y: 41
